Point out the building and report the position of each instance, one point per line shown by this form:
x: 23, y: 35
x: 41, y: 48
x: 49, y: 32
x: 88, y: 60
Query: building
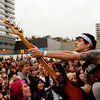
x: 41, y: 43
x: 7, y: 39
x: 60, y: 39
x: 98, y: 31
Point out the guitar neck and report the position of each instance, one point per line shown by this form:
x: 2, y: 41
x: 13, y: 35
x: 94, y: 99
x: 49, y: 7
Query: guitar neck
x: 41, y: 60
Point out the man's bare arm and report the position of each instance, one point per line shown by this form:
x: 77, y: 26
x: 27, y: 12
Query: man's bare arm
x: 63, y: 55
x: 67, y: 55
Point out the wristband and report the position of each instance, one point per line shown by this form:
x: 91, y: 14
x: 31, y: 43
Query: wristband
x: 44, y: 53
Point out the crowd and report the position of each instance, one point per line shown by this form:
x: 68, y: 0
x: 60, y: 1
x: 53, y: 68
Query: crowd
x: 22, y: 72
x: 23, y: 79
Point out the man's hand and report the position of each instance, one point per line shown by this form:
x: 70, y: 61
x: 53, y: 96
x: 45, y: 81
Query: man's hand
x: 35, y: 52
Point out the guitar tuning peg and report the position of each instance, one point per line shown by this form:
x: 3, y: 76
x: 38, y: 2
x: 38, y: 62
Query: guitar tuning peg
x: 16, y: 26
x: 20, y: 30
x: 12, y: 23
x: 8, y: 19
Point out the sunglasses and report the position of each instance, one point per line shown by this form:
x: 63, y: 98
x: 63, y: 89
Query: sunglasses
x: 5, y: 77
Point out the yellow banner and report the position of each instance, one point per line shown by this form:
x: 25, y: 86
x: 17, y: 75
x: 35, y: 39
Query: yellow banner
x: 22, y: 51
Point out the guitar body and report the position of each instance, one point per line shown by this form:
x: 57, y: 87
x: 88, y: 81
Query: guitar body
x: 72, y: 92
x: 68, y: 90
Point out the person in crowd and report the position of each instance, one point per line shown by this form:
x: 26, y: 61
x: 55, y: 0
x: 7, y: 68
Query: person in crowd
x: 6, y: 68
x: 5, y: 83
x: 79, y: 76
x: 23, y: 74
x: 5, y: 77
x: 1, y: 95
x: 36, y: 68
x: 70, y: 68
x: 17, y: 58
x: 1, y: 58
x: 39, y: 90
x: 36, y: 65
x: 56, y: 96
x: 19, y: 90
x: 72, y: 77
x: 16, y: 62
x: 17, y: 67
x: 32, y: 76
x: 4, y: 87
x: 44, y: 75
x: 12, y: 70
x: 25, y: 69
x: 84, y: 46
x: 76, y: 64
x: 1, y: 81
x: 28, y: 58
x: 50, y: 65
x: 1, y: 66
x: 11, y: 58
x: 9, y: 62
x: 81, y: 62
x: 62, y: 63
x: 33, y: 73
x: 21, y: 57
x: 31, y: 62
x: 24, y: 58
x: 12, y: 79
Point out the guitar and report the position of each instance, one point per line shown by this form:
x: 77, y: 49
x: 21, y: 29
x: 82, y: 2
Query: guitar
x: 68, y: 90
x: 71, y: 92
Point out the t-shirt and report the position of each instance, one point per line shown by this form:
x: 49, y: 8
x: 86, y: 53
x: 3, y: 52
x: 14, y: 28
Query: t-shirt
x: 91, y: 73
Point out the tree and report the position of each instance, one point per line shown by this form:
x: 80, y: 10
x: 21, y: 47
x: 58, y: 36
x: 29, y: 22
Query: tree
x: 72, y: 39
x: 26, y: 38
x: 64, y: 40
x: 67, y: 39
x: 17, y: 38
x: 33, y: 37
x: 58, y: 39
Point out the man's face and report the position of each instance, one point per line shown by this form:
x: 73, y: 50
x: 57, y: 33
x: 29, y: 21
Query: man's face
x: 26, y: 69
x: 80, y: 46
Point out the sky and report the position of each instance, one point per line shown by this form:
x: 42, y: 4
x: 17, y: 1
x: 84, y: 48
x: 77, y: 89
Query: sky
x: 57, y: 18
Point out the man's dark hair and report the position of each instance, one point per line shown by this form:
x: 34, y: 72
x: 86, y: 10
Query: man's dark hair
x: 91, y: 37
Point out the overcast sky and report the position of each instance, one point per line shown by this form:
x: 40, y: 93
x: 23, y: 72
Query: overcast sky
x: 64, y: 18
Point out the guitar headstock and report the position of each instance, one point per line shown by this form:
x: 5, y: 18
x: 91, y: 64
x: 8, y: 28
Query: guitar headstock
x: 15, y: 28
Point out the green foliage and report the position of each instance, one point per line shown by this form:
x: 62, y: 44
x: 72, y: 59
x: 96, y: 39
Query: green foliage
x: 33, y: 37
x: 67, y: 39
x: 26, y: 38
x: 72, y: 39
x: 58, y: 39
x: 17, y: 38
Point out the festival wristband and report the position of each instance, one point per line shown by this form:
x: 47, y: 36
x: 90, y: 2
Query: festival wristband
x: 44, y: 53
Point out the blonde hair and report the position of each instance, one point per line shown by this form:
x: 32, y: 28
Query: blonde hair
x: 69, y: 75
